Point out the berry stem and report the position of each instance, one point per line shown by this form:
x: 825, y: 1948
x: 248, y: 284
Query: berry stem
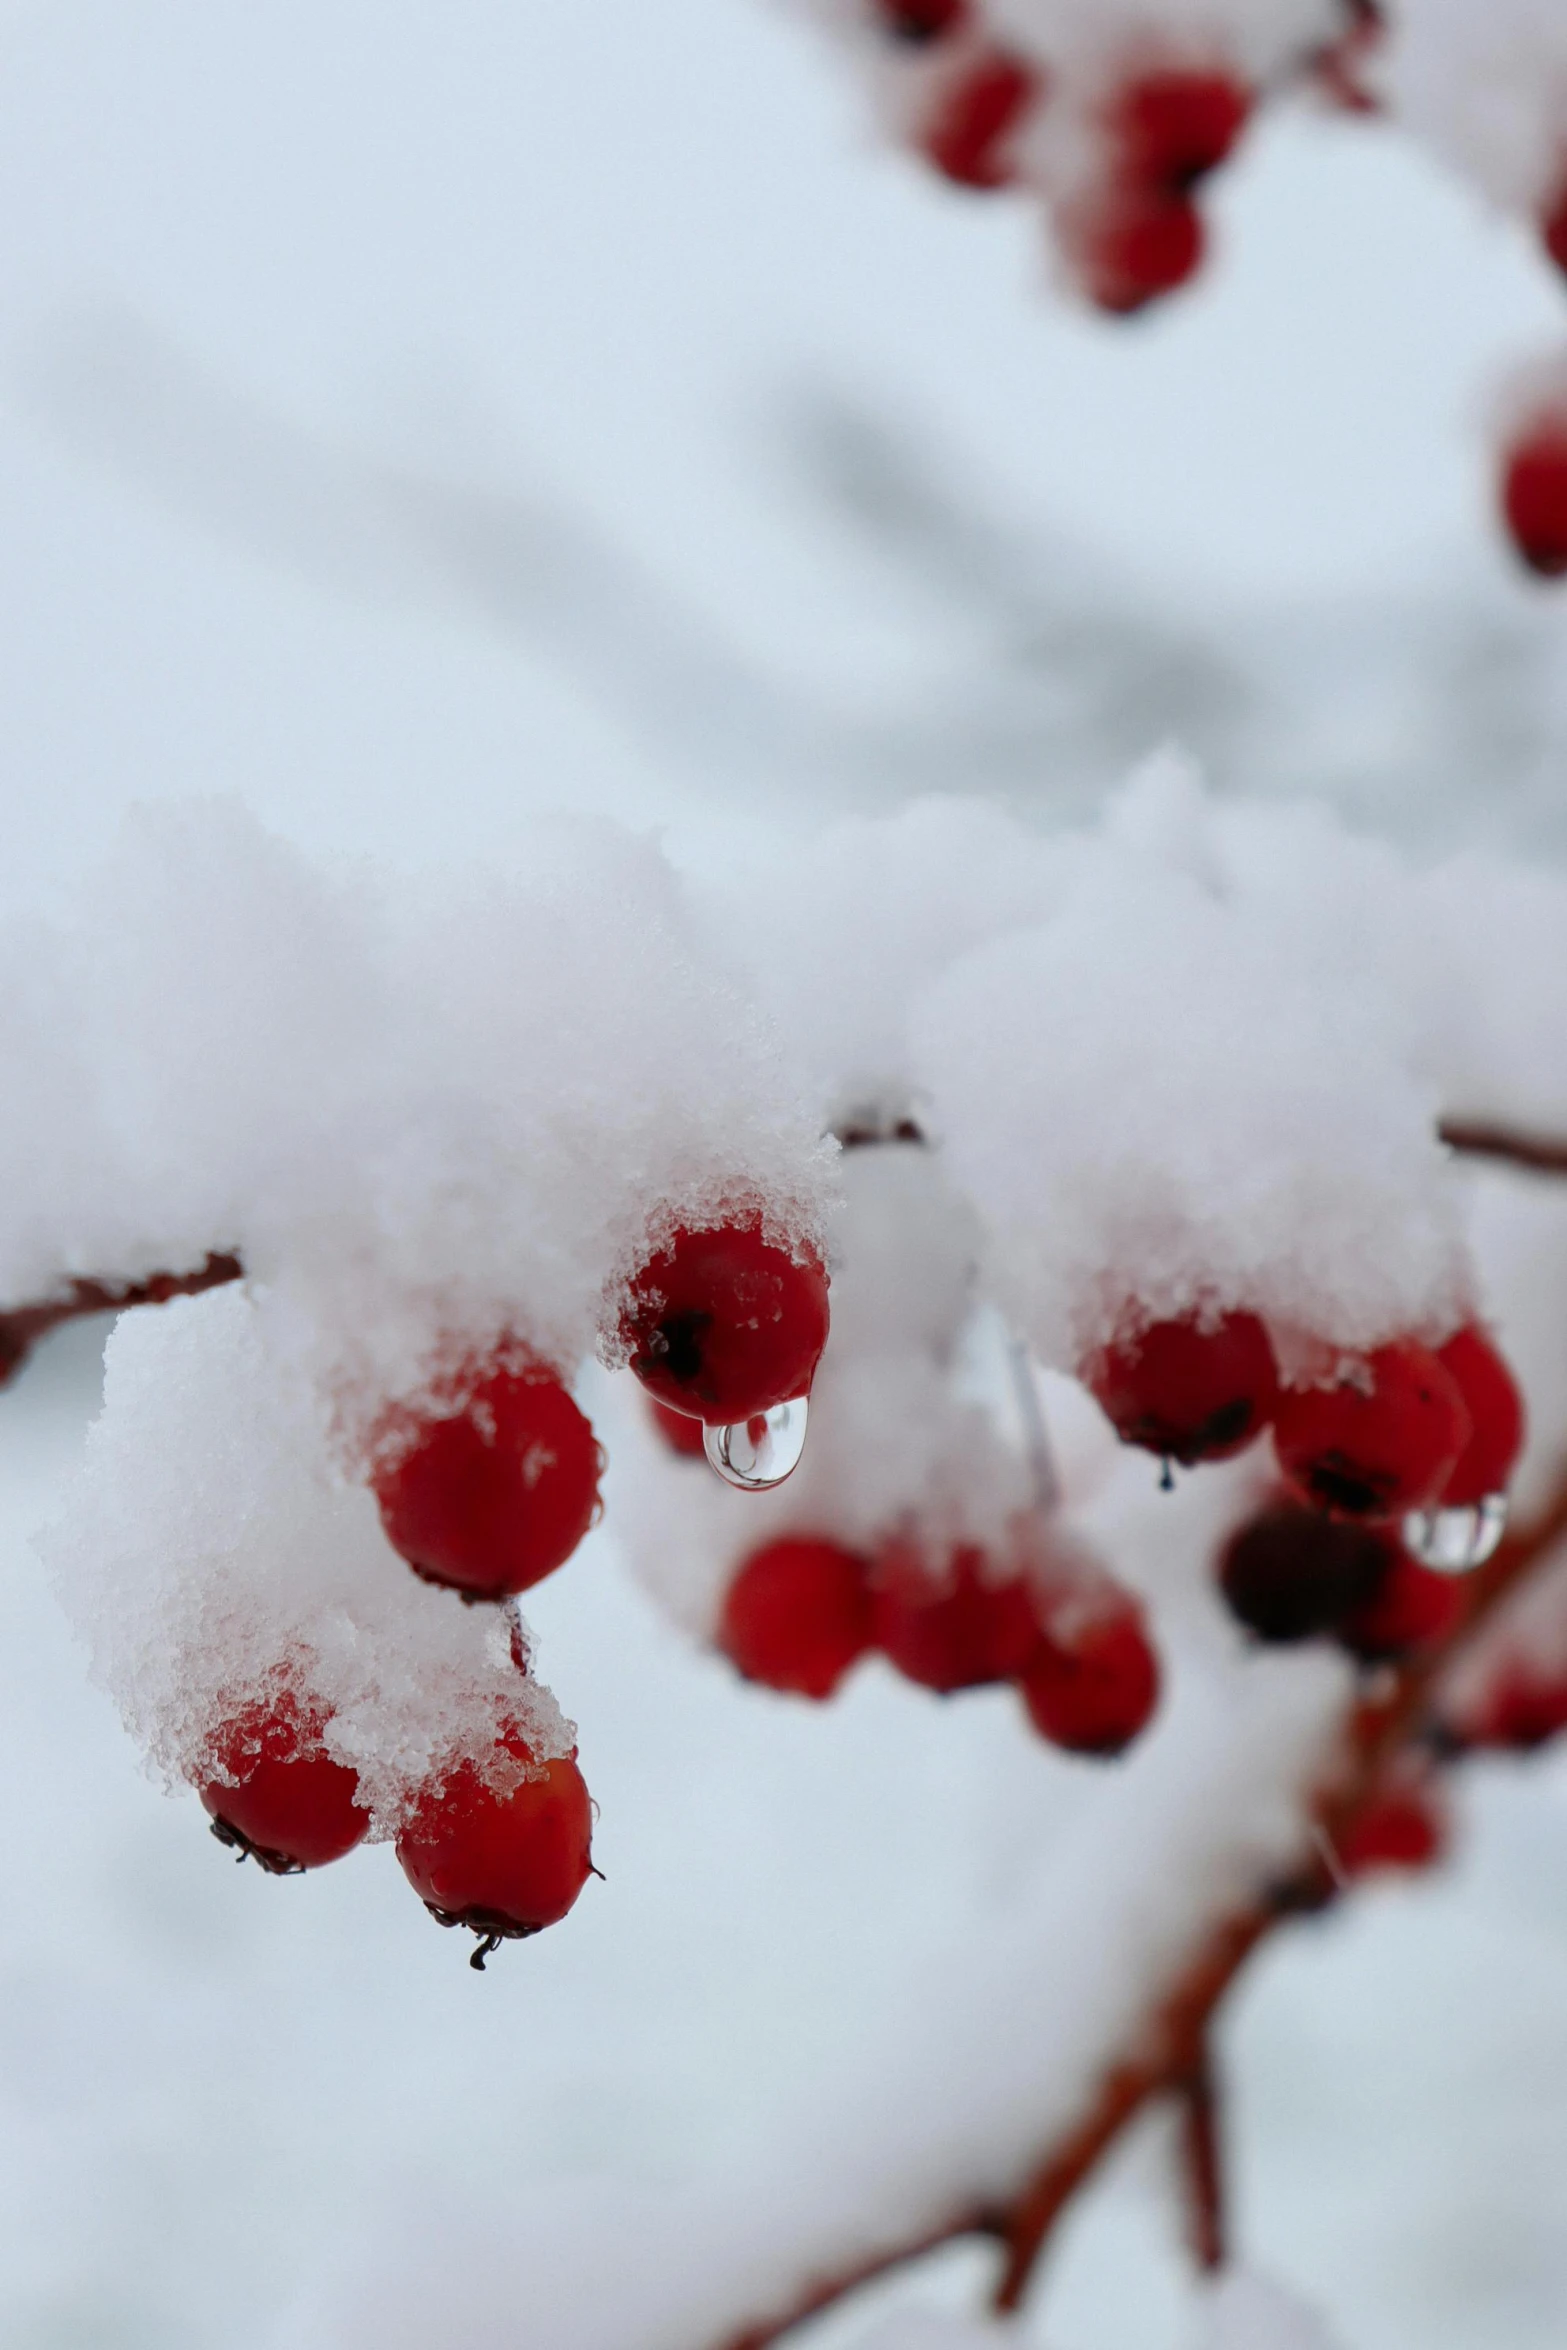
x: 1481, y: 1138
x: 1202, y: 2162
x: 1036, y: 1436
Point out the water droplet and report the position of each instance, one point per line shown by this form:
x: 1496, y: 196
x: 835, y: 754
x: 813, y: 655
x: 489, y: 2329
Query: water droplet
x: 1455, y: 1541
x: 761, y: 1451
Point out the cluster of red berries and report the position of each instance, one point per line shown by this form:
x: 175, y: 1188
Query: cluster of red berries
x: 485, y: 1495
x: 1130, y: 230
x: 1404, y: 1430
x: 502, y: 1854
x: 800, y: 1612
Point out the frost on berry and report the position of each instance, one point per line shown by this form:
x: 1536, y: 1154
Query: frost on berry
x: 1381, y: 1440
x: 1188, y: 1390
x: 495, y: 1490
x: 213, y: 1556
x: 274, y: 1793
x: 501, y: 1845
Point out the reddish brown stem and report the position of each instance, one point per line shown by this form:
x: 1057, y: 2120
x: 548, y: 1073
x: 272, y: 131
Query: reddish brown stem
x: 1202, y: 2161
x: 1172, y: 2047
x: 21, y: 1327
x: 1480, y: 1138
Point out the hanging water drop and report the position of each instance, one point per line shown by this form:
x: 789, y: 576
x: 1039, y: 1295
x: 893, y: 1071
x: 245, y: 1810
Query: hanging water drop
x: 1456, y: 1541
x: 762, y: 1451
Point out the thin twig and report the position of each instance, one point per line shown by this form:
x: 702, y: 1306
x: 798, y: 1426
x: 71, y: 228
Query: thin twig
x: 828, y: 2290
x: 1480, y: 1138
x: 1202, y: 2161
x: 21, y: 1327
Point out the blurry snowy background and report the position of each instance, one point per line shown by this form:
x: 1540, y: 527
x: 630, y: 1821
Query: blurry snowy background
x: 413, y: 418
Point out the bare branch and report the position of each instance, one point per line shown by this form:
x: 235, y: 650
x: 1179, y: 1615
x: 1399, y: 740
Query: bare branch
x: 21, y: 1327
x: 1478, y: 1138
x: 1202, y: 2159
x: 828, y: 2290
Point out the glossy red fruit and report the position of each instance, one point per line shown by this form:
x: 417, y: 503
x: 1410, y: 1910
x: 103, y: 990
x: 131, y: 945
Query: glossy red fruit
x: 1399, y: 1828
x: 505, y: 1861
x: 1496, y: 1412
x: 1291, y: 1574
x: 496, y: 1496
x: 920, y: 22
x: 276, y: 1796
x: 1136, y: 247
x: 1534, y: 495
x: 1171, y: 128
x: 1378, y: 1444
x: 797, y: 1615
x: 1411, y: 1607
x: 680, y: 1432
x: 1187, y: 1391
x: 969, y: 131
x: 723, y: 1324
x: 1094, y: 1688
x: 951, y: 1627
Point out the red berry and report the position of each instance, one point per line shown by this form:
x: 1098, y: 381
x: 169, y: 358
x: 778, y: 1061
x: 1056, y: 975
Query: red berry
x: 679, y: 1431
x: 1187, y: 1391
x: 797, y: 1616
x: 1520, y: 1711
x: 954, y: 1629
x: 1411, y: 1607
x: 1290, y: 1574
x: 1092, y: 1689
x: 276, y: 1794
x: 1534, y: 495
x: 1137, y: 246
x: 1553, y: 227
x: 1496, y: 1412
x: 967, y: 133
x: 503, y: 1860
x: 497, y: 1495
x: 1171, y: 128
x: 1402, y: 1827
x: 1379, y: 1443
x: 723, y: 1324
x: 920, y: 22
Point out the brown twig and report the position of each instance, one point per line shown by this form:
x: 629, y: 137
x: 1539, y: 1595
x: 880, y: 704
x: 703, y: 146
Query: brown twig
x: 21, y: 1327
x: 1202, y: 2161
x: 1480, y: 1138
x: 1172, y: 2048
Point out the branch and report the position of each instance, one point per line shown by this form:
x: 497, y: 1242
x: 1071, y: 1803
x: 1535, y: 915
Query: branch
x: 1170, y: 2056
x: 1202, y: 2157
x: 21, y: 1327
x: 1478, y: 1138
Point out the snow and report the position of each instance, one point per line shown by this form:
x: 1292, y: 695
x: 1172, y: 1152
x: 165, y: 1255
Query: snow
x: 1245, y: 2312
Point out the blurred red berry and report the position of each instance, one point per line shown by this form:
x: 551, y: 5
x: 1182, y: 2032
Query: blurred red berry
x: 1496, y: 1412
x: 680, y: 1432
x: 1553, y: 227
x: 1523, y: 1709
x: 1534, y: 495
x: 797, y: 1615
x: 955, y: 1629
x: 1186, y: 1391
x: 920, y: 22
x: 1379, y: 1443
x: 1135, y: 247
x: 1170, y: 128
x: 1093, y: 1690
x: 1411, y: 1607
x: 723, y: 1324
x: 276, y: 1795
x: 504, y: 1861
x: 1401, y: 1827
x: 497, y: 1495
x: 968, y: 132
x: 1340, y: 68
x: 1291, y: 1574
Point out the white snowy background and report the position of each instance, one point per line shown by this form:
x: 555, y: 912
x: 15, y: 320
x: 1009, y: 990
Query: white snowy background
x: 412, y: 420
